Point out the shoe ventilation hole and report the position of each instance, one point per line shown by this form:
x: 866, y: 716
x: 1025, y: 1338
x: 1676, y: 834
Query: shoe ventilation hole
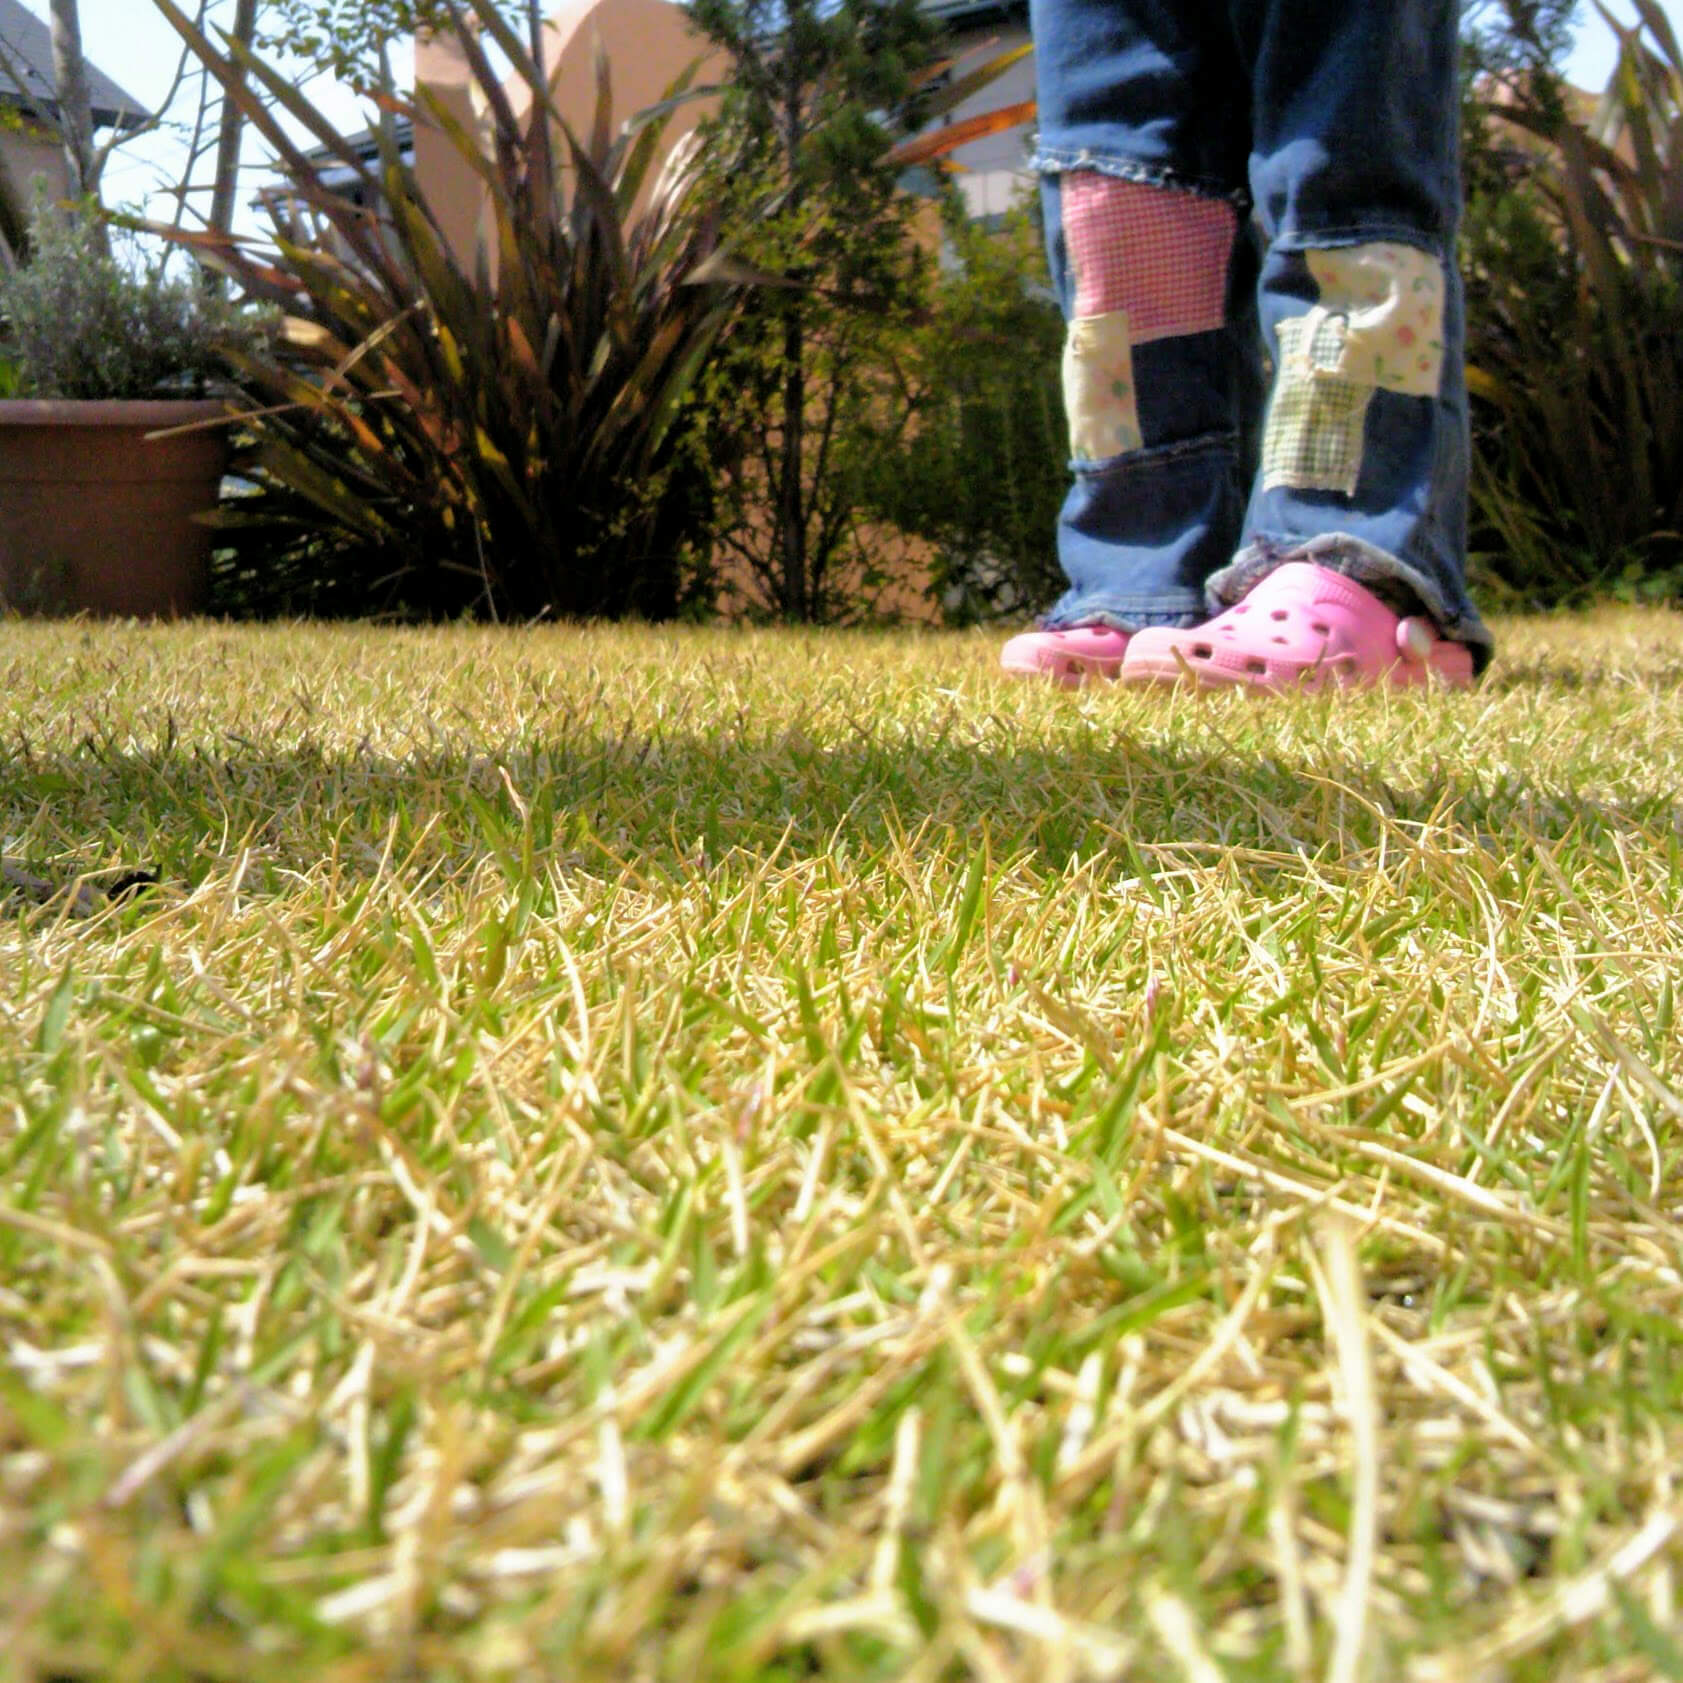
x: 1321, y: 630
x: 1279, y: 613
x: 1259, y: 667
x: 1202, y: 651
x: 1281, y: 641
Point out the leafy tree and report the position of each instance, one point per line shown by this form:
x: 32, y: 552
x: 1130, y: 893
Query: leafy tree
x: 1509, y: 35
x: 804, y: 131
x: 344, y: 38
x: 229, y: 130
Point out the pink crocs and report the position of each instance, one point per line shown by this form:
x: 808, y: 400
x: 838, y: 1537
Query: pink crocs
x: 1302, y: 626
x: 1070, y: 657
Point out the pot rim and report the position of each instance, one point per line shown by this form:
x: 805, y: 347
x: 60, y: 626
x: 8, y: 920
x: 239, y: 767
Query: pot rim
x: 112, y: 411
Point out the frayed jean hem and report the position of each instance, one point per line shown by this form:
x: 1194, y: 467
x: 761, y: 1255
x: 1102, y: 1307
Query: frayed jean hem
x: 1123, y: 616
x: 1065, y: 160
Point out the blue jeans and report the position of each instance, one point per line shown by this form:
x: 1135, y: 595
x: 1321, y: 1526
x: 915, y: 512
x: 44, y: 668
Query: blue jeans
x: 1224, y: 176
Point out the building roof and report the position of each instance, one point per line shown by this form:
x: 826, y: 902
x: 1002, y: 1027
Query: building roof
x: 975, y: 14
x: 26, y: 51
x: 339, y: 176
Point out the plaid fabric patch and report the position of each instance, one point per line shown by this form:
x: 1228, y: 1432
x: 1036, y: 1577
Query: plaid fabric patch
x: 1317, y: 340
x: 1160, y: 255
x: 1317, y: 421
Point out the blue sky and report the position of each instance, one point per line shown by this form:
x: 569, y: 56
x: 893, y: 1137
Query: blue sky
x: 131, y: 42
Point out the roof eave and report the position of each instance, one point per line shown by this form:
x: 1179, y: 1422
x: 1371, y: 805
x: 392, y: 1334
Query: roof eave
x: 126, y: 119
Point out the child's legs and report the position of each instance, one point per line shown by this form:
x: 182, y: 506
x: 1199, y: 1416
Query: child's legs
x: 1144, y: 135
x: 1356, y: 176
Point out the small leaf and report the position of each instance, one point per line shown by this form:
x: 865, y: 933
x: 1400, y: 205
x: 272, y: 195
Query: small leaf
x: 490, y: 1244
x: 57, y: 1014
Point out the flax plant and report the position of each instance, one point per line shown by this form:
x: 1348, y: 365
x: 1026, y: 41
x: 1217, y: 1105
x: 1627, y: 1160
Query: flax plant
x: 500, y: 432
x: 1577, y: 344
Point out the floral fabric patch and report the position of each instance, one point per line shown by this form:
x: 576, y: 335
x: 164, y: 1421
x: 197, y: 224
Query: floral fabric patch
x: 1159, y: 254
x: 1099, y: 392
x: 1392, y: 296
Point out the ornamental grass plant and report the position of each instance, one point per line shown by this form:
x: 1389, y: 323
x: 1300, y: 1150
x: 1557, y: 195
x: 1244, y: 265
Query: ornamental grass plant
x: 1574, y: 254
x: 501, y: 432
x: 665, y: 1154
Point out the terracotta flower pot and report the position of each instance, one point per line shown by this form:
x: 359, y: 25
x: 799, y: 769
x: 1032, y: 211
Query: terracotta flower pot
x: 96, y: 517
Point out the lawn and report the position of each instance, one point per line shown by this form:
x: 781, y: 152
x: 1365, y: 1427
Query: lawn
x: 685, y: 1155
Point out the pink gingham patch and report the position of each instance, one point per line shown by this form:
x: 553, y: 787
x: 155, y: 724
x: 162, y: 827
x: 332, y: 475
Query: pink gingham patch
x: 1159, y: 254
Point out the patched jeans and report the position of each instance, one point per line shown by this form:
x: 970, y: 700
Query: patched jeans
x: 1225, y: 176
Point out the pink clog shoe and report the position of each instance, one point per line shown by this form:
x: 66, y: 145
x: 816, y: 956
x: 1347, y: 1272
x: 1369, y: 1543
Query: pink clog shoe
x: 1303, y: 626
x: 1071, y: 657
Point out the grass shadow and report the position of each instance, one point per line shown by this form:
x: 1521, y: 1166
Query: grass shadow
x: 670, y: 803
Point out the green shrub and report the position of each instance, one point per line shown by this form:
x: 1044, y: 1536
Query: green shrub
x: 984, y: 470
x: 808, y: 396
x: 86, y: 321
x: 444, y: 435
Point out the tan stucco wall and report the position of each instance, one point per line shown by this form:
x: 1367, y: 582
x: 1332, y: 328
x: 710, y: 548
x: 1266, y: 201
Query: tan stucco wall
x: 648, y: 44
x: 24, y: 156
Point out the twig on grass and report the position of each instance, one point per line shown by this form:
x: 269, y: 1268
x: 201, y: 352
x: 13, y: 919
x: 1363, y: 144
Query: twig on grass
x: 85, y: 898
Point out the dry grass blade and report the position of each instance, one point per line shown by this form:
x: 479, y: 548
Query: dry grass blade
x: 1343, y: 1305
